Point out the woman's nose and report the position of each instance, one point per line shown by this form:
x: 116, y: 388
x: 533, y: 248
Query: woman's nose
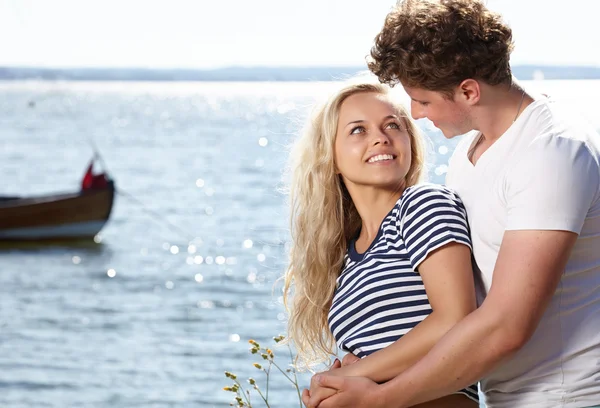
x: 380, y: 138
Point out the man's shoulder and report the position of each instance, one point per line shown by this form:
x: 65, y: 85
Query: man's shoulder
x: 556, y: 121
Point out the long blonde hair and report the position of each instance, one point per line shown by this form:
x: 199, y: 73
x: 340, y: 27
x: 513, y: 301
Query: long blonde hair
x: 323, y: 220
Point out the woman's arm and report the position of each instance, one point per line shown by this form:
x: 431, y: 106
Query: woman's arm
x: 447, y: 274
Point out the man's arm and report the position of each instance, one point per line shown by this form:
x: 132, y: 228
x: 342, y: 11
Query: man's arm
x: 447, y: 275
x: 529, y: 267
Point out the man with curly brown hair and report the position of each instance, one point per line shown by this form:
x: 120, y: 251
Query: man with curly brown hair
x: 529, y: 175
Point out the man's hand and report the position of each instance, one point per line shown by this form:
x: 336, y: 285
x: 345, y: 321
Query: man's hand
x: 355, y: 392
x: 319, y: 392
x: 336, y: 364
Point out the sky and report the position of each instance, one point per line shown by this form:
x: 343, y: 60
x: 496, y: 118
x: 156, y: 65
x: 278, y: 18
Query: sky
x: 217, y: 33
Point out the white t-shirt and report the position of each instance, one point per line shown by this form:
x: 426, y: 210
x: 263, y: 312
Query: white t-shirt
x: 542, y: 174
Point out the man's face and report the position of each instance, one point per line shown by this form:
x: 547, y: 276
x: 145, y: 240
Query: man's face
x: 448, y: 115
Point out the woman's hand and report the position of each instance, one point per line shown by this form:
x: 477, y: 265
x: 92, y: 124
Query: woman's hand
x: 349, y: 359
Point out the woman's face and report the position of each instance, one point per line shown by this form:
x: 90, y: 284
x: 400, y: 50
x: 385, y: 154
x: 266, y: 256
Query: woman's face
x: 372, y: 144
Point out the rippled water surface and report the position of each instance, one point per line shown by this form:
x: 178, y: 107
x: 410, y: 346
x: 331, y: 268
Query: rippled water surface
x: 183, y: 274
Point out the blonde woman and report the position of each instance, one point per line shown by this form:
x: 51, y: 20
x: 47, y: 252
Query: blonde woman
x: 380, y: 263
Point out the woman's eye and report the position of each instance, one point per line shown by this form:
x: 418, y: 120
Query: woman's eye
x: 357, y: 130
x: 393, y: 125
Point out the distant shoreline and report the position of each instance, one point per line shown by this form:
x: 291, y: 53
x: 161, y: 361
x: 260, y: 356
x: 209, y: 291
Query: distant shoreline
x: 249, y: 74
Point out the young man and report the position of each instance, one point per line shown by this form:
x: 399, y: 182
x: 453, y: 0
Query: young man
x: 529, y: 176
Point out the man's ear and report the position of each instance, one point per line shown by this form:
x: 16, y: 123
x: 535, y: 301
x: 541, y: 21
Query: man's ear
x: 468, y: 91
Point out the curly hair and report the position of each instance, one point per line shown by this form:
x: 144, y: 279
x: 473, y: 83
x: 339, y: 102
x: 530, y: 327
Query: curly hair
x: 437, y: 44
x: 324, y: 219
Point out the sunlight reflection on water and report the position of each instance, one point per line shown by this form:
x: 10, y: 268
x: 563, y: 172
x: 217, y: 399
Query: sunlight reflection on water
x: 171, y: 292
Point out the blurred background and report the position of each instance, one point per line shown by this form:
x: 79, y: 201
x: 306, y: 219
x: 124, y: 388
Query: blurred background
x: 192, y: 106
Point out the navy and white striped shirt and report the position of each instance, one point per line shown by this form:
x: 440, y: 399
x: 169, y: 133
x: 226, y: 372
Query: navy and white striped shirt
x: 380, y: 296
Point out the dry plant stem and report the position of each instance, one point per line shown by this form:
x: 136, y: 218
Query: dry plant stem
x: 295, y: 376
x: 268, y: 372
x: 262, y: 396
x: 286, y: 376
x: 266, y: 354
x: 244, y: 393
x: 248, y: 397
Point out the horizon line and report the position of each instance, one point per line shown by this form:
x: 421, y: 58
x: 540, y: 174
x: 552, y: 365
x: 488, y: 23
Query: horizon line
x: 250, y: 66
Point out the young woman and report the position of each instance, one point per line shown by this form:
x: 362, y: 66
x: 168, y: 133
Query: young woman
x: 380, y: 264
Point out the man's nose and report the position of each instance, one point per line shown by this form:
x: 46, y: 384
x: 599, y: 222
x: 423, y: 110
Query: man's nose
x: 416, y: 110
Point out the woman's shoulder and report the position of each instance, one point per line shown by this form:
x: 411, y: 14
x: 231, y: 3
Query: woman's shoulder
x: 426, y: 191
x: 424, y: 197
x: 432, y: 208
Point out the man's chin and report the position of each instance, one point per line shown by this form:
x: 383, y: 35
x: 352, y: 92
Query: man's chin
x: 452, y: 134
x: 448, y: 135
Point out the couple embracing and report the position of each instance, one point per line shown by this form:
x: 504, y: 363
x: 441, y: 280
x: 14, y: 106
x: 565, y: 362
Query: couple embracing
x: 386, y: 266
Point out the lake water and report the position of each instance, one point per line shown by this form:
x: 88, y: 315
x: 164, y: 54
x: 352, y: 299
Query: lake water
x: 183, y: 275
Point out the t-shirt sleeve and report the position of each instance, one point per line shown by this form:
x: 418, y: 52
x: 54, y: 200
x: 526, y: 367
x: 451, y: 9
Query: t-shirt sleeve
x: 431, y: 217
x: 553, y: 188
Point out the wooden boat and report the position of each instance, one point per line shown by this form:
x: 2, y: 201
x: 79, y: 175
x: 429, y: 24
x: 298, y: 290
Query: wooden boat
x: 77, y: 215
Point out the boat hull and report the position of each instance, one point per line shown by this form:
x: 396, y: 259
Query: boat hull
x: 64, y: 216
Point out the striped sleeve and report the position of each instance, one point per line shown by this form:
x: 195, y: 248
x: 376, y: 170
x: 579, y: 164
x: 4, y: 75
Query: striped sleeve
x: 430, y: 217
